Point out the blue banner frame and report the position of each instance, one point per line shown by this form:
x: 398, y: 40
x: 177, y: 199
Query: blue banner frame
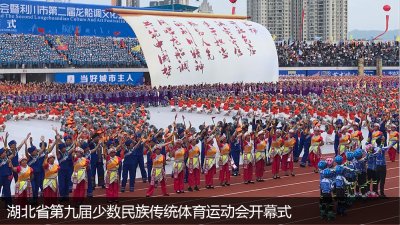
x: 127, y: 78
x: 30, y: 17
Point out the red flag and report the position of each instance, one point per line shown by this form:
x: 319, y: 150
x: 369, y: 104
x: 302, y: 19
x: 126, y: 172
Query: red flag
x: 50, y: 141
x: 122, y: 43
x: 117, y: 33
x: 62, y: 47
x: 40, y: 30
x: 76, y: 31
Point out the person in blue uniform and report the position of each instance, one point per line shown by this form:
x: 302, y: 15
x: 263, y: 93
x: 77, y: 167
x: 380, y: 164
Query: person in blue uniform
x: 371, y: 172
x: 326, y: 202
x: 361, y: 171
x: 97, y: 163
x: 305, y: 143
x: 5, y: 176
x: 131, y: 161
x: 139, y: 157
x: 235, y: 144
x: 381, y: 170
x: 69, y: 145
x: 35, y: 161
x: 64, y: 158
x: 350, y: 174
x: 340, y: 186
x: 87, y: 153
x: 12, y: 152
x: 338, y: 127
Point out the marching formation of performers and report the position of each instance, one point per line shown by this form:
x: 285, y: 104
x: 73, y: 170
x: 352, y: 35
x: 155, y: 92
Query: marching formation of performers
x: 109, y: 141
x: 356, y: 176
x: 257, y: 143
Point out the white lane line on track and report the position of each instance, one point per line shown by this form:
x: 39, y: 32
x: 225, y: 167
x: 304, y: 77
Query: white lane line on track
x: 380, y: 220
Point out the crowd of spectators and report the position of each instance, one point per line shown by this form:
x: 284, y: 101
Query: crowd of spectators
x: 29, y: 51
x: 34, y: 51
x: 49, y: 51
x: 342, y: 54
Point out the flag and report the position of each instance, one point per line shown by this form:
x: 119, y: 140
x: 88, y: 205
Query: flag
x: 274, y: 37
x: 137, y: 48
x: 76, y: 31
x: 58, y: 41
x: 40, y: 30
x: 398, y: 38
x: 122, y: 43
x: 117, y: 33
x: 351, y: 37
x: 62, y: 47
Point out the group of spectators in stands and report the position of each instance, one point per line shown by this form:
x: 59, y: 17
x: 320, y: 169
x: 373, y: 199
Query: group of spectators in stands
x: 51, y: 51
x: 342, y: 54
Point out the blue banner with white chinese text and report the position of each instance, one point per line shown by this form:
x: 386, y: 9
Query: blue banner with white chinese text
x: 134, y: 78
x: 39, y: 17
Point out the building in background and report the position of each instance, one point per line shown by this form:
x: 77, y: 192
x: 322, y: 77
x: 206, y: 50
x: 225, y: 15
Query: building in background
x: 116, y: 2
x: 168, y: 2
x: 205, y: 7
x: 301, y: 19
x: 133, y: 3
x: 325, y: 20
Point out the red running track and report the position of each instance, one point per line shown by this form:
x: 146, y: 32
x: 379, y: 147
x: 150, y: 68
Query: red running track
x: 304, y: 184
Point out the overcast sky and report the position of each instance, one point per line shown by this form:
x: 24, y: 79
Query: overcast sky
x: 363, y: 14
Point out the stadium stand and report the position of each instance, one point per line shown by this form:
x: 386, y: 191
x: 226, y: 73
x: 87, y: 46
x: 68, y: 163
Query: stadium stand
x: 49, y: 51
x: 343, y: 54
x: 33, y: 51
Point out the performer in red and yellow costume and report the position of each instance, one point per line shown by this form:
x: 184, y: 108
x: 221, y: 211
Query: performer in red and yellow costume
x: 275, y: 152
x: 287, y: 153
x: 79, y: 175
x: 344, y: 142
x: 50, y: 184
x: 315, y: 149
x: 23, y: 186
x: 113, y: 163
x: 393, y: 142
x: 193, y: 165
x: 224, y: 161
x: 260, y: 148
x: 179, y: 156
x: 157, y: 172
x: 209, y: 162
x: 356, y: 137
x: 248, y: 159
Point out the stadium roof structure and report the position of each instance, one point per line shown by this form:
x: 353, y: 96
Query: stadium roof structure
x: 173, y: 7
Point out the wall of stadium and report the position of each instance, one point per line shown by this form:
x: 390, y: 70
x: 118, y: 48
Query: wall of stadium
x: 61, y: 75
x: 38, y: 17
x: 188, y: 50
